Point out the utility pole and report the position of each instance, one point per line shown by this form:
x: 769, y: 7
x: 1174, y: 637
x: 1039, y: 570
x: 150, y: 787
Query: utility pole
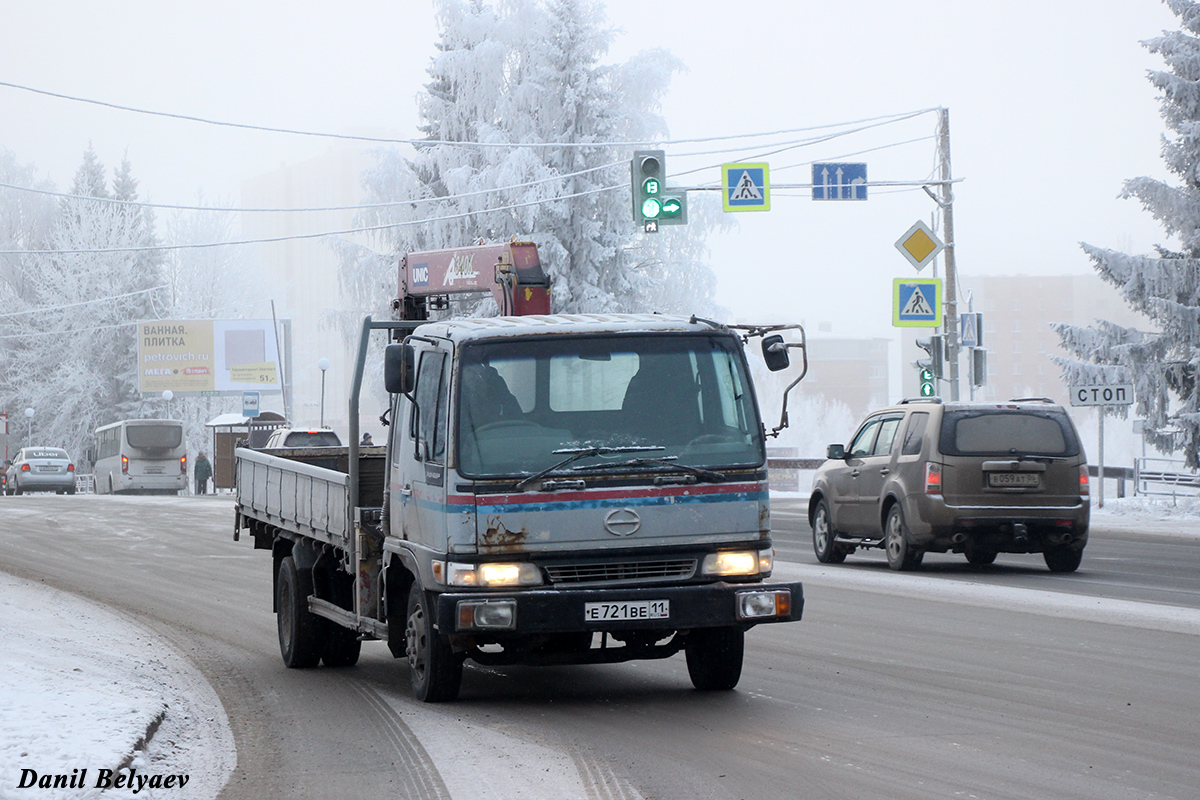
x: 947, y: 204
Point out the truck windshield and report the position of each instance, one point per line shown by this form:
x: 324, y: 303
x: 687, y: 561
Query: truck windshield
x: 685, y: 398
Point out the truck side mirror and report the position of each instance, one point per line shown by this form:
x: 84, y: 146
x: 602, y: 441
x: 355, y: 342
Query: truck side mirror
x: 398, y: 361
x: 775, y: 353
x: 836, y: 452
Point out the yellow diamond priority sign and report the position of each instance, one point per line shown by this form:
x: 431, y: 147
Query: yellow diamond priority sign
x: 919, y: 245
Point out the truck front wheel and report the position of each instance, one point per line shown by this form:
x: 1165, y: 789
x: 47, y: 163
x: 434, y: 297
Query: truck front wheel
x: 301, y: 633
x: 714, y: 657
x: 434, y: 668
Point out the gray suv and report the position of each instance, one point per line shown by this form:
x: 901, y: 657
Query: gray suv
x: 979, y: 479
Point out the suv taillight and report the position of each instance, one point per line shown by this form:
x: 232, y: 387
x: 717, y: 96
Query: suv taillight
x: 933, y: 478
x: 1084, y: 487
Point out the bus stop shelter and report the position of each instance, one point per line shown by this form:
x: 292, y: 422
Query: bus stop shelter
x: 234, y: 430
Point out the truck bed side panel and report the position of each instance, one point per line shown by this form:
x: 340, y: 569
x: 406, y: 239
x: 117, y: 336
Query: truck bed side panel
x: 294, y: 496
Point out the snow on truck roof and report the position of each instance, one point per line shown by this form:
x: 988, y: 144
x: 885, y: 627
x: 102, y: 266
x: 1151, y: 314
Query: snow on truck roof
x: 491, y: 327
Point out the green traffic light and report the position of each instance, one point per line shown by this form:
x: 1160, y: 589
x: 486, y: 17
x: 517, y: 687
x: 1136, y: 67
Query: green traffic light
x: 650, y: 186
x: 671, y: 207
x: 926, y: 390
x: 651, y: 208
x: 926, y: 376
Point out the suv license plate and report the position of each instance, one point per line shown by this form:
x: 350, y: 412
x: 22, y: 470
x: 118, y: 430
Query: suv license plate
x: 627, y: 610
x: 1012, y: 479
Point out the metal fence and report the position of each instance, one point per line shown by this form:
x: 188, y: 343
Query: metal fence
x: 1165, y: 476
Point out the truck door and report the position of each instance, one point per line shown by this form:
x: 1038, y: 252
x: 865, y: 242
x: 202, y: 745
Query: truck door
x: 419, y: 455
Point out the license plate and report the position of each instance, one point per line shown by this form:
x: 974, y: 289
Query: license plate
x: 627, y: 610
x: 1012, y: 479
x: 154, y: 470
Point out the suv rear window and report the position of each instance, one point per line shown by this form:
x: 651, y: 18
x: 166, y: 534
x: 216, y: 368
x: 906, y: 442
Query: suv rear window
x: 994, y: 432
x: 312, y: 439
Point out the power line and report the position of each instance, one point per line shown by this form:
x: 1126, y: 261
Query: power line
x: 43, y: 309
x: 361, y: 207
x: 430, y: 142
x: 346, y: 232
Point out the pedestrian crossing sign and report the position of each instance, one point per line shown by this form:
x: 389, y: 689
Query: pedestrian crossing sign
x: 916, y: 303
x: 746, y: 187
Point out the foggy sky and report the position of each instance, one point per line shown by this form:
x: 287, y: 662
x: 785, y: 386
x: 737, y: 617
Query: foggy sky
x: 1050, y: 112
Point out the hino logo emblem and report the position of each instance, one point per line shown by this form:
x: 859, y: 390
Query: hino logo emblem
x: 622, y: 522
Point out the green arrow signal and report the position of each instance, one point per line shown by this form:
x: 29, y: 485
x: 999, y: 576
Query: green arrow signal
x: 671, y: 206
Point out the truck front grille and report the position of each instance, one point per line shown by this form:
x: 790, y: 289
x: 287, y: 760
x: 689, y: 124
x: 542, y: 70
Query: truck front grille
x: 623, y: 572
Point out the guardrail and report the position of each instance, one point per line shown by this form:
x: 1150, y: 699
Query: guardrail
x: 1166, y: 477
x: 85, y: 484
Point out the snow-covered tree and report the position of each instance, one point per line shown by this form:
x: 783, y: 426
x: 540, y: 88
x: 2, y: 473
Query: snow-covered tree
x: 520, y: 101
x: 71, y: 348
x: 1163, y: 365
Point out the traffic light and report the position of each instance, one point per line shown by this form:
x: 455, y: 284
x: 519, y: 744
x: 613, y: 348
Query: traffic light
x: 653, y: 205
x: 930, y: 368
x: 979, y: 366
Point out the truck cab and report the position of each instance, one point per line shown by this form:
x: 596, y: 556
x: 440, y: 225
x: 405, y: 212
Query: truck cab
x: 577, y: 489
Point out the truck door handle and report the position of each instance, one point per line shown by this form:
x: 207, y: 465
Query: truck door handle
x: 854, y: 473
x: 406, y: 491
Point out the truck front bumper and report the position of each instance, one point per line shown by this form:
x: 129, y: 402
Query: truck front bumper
x: 538, y: 611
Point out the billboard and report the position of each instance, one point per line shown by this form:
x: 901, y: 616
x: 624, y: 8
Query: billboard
x: 207, y: 356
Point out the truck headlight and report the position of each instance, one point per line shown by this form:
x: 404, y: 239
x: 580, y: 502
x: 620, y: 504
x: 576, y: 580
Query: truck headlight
x: 494, y: 574
x: 734, y: 562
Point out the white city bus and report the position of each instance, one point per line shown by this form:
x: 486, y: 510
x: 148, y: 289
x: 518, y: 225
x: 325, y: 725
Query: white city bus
x: 145, y: 456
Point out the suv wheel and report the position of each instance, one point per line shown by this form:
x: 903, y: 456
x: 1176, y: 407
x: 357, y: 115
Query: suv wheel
x: 1063, y: 559
x: 901, y: 555
x: 980, y: 556
x: 823, y: 536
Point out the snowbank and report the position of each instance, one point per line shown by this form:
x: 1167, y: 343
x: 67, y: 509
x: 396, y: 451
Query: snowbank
x: 86, y: 688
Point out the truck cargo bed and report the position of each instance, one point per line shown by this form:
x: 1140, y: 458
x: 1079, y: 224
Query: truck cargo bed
x: 304, y: 490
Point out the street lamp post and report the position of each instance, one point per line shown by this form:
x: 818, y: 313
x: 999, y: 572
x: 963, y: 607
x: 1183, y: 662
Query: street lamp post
x: 323, y: 364
x: 29, y: 414
x: 167, y: 395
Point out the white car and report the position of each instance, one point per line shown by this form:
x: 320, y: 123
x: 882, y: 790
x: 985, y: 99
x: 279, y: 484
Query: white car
x: 41, y: 469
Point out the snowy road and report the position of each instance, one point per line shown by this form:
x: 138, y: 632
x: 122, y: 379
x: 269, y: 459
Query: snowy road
x: 901, y: 686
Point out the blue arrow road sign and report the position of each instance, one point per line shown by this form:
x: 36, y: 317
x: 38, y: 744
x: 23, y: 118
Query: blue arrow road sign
x: 839, y: 181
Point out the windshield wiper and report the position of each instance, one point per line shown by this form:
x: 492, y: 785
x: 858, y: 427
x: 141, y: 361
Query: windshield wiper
x: 668, y: 461
x: 577, y: 453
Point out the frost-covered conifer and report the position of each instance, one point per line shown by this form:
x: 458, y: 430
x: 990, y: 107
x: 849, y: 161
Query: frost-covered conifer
x: 71, y: 359
x: 1163, y: 365
x: 531, y: 72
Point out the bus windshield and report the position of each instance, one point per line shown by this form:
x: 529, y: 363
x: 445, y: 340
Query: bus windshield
x: 657, y: 403
x: 164, y: 436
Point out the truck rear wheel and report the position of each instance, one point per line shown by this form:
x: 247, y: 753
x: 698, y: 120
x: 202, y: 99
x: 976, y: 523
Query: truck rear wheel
x: 301, y: 633
x: 714, y: 657
x: 434, y: 669
x: 342, y: 646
